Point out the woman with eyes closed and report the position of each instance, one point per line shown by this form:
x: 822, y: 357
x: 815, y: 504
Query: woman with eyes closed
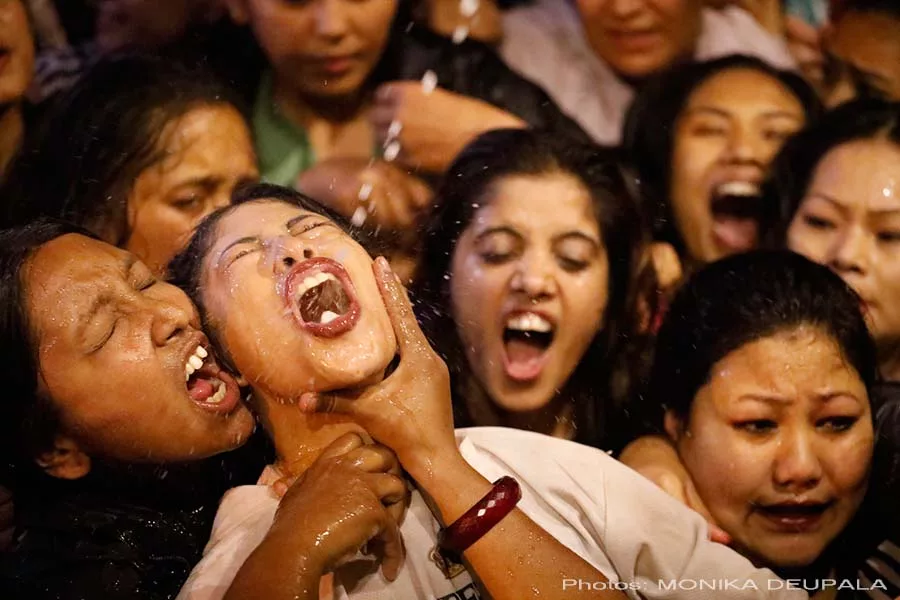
x: 313, y: 326
x: 111, y: 389
x: 140, y: 151
x: 702, y: 137
x: 534, y: 265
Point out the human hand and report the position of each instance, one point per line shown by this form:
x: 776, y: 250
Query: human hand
x: 391, y: 197
x: 346, y: 500
x: 410, y: 411
x: 657, y: 460
x: 434, y: 125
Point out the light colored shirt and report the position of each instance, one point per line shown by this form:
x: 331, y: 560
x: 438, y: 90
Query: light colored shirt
x: 545, y: 42
x: 619, y: 522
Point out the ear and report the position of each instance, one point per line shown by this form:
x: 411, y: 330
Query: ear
x: 674, y: 426
x: 237, y: 10
x: 66, y: 460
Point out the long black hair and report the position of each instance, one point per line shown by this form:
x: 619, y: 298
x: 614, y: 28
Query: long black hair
x: 649, y: 132
x: 604, y: 378
x: 81, y: 162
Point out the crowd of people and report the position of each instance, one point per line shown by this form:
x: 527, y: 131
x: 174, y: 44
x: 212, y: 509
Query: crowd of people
x: 446, y: 299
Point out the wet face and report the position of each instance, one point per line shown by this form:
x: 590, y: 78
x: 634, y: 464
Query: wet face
x: 725, y: 137
x: 864, y: 53
x: 779, y: 445
x: 294, y: 300
x: 320, y: 48
x: 637, y: 38
x: 207, y: 153
x: 528, y: 287
x: 16, y: 51
x: 123, y: 359
x: 849, y: 220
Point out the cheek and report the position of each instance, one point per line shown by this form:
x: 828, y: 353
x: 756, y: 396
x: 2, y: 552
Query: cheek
x: 802, y: 240
x: 848, y: 461
x: 726, y: 472
x: 691, y: 162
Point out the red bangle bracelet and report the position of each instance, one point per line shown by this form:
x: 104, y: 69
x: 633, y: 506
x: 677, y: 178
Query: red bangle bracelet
x: 482, y: 517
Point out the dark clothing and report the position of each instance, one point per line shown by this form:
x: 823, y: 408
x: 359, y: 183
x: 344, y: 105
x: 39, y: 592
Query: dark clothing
x: 121, y: 532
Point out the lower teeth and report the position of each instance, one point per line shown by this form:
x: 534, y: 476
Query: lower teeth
x: 328, y: 317
x: 219, y: 395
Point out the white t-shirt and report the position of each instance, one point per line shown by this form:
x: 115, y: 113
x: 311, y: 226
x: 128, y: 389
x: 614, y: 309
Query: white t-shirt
x: 545, y: 42
x: 621, y: 523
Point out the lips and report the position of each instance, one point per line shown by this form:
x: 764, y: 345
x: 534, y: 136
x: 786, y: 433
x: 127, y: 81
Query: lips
x: 794, y: 517
x: 321, y: 297
x: 527, y: 337
x: 206, y: 384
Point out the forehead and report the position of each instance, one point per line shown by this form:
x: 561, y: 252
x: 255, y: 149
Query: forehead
x: 744, y: 88
x: 548, y: 203
x: 70, y: 268
x: 260, y: 219
x: 215, y: 132
x: 793, y: 363
x: 864, y: 171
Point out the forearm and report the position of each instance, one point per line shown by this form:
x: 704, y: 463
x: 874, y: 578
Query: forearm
x: 276, y: 571
x: 517, y: 558
x: 324, y: 183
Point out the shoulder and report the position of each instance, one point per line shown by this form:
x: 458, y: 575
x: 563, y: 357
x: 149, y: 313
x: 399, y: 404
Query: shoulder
x: 733, y: 30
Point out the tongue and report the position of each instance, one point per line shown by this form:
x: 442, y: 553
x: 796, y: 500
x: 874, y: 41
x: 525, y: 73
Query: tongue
x: 524, y: 360
x: 200, y: 389
x: 736, y: 234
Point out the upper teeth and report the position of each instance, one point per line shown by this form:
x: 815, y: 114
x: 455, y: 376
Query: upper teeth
x: 529, y: 322
x: 312, y: 281
x: 738, y: 188
x: 194, y: 362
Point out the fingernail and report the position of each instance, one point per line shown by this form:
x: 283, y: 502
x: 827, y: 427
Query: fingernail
x: 384, y: 264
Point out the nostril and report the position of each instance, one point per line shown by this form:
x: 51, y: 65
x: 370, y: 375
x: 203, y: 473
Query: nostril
x: 288, y: 261
x: 307, y: 253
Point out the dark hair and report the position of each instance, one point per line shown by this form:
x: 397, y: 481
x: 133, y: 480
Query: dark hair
x: 744, y: 298
x: 81, y: 161
x: 186, y: 269
x: 793, y: 169
x: 603, y: 379
x: 30, y: 420
x: 886, y: 7
x: 650, y: 125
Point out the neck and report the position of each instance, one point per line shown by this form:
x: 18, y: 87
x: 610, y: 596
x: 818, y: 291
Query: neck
x: 12, y: 129
x: 306, y: 111
x: 555, y: 418
x: 298, y: 437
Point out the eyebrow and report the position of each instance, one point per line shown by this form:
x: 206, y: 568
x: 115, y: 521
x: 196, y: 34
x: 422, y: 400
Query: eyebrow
x: 769, y: 114
x: 578, y: 235
x: 254, y: 239
x: 777, y: 401
x: 104, y: 299
x: 290, y: 224
x: 843, y: 207
x: 499, y: 229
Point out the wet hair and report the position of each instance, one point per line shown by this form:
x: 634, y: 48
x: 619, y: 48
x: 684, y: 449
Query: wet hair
x: 30, y: 421
x: 649, y: 132
x: 186, y: 269
x: 793, y: 168
x: 601, y: 383
x: 81, y: 161
x: 747, y: 297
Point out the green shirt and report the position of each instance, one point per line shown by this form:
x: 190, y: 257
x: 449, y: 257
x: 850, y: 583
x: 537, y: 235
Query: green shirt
x: 282, y: 148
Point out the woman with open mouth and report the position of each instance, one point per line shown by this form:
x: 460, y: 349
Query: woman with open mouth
x: 702, y: 137
x: 113, y: 399
x: 299, y: 310
x: 534, y: 266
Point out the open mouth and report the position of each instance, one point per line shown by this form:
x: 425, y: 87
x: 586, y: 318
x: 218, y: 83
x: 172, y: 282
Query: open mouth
x: 208, y: 385
x: 321, y: 297
x: 527, y: 338
x: 736, y: 209
x: 794, y: 517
